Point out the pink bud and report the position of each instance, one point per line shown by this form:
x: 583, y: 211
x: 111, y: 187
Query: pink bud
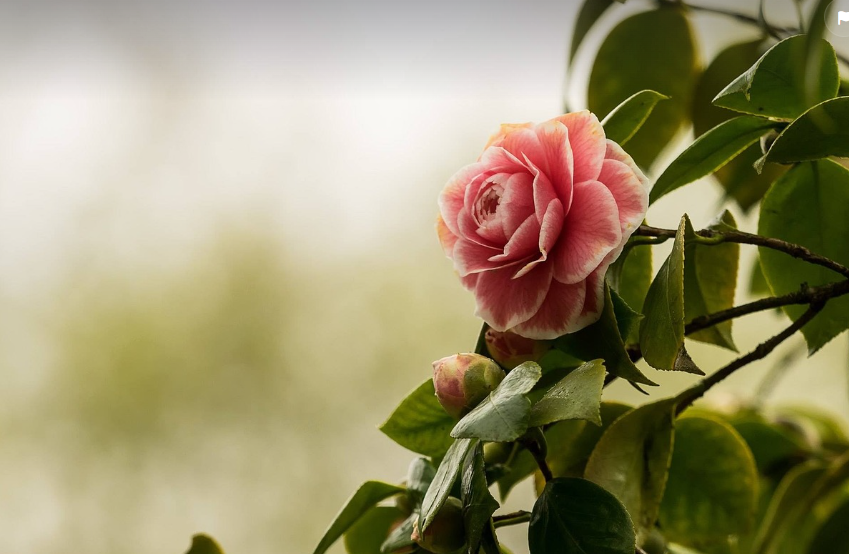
x: 510, y: 349
x: 462, y: 381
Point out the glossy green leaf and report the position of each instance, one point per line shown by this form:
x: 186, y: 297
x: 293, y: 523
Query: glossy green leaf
x: 770, y: 87
x: 712, y: 487
x: 808, y: 206
x: 820, y: 132
x: 602, y: 340
x: 832, y: 536
x: 367, y: 535
x: 503, y: 415
x: 366, y: 497
x: 420, y: 423
x: 576, y: 396
x: 631, y: 459
x: 774, y: 448
x: 662, y: 330
x: 632, y: 59
x: 710, y: 281
x: 814, y: 45
x: 204, y: 544
x: 478, y: 503
x: 576, y: 516
x: 711, y: 151
x: 626, y: 119
x: 446, y: 475
x: 590, y: 12
x: 627, y: 320
x: 630, y: 277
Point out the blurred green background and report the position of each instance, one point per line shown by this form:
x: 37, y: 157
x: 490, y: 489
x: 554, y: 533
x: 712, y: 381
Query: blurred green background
x: 218, y: 267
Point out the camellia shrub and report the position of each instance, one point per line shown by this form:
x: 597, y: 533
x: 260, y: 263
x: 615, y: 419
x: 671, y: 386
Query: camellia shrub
x: 547, y: 229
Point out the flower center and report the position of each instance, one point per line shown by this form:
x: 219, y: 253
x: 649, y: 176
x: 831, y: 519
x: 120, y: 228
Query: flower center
x: 488, y: 201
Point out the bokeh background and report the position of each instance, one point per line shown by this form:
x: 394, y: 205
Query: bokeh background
x: 218, y: 268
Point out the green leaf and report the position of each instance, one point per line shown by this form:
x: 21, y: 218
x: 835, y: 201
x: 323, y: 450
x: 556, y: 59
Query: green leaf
x: 576, y: 396
x: 626, y: 119
x: 204, y: 544
x: 711, y: 151
x: 630, y: 277
x: 710, y: 281
x: 832, y: 536
x: 770, y: 87
x: 400, y: 537
x: 757, y: 282
x: 575, y: 516
x: 420, y: 423
x: 711, y: 492
x: 446, y: 475
x: 632, y: 458
x: 478, y: 503
x: 367, y: 534
x: 627, y: 320
x: 503, y: 415
x: 820, y: 132
x: 662, y: 330
x: 774, y: 448
x: 420, y: 474
x: 602, y: 340
x: 590, y: 12
x: 632, y: 59
x: 808, y: 206
x: 827, y: 428
x: 368, y: 495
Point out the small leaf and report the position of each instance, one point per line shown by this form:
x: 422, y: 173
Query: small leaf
x: 401, y: 536
x: 627, y: 320
x: 631, y: 60
x: 710, y: 281
x: 590, y: 12
x: 626, y: 119
x: 820, y: 132
x: 808, y: 206
x: 204, y: 544
x: 575, y: 516
x: 602, y: 340
x: 478, y: 503
x: 576, y: 396
x: 630, y: 277
x: 420, y: 423
x: 367, y: 535
x: 503, y: 415
x: 770, y: 87
x: 632, y: 459
x: 367, y: 496
x: 419, y: 477
x: 710, y: 152
x: 711, y: 492
x: 662, y: 330
x: 832, y: 536
x: 444, y: 479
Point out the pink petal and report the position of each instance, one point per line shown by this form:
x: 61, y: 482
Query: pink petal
x: 523, y: 243
x: 558, y: 313
x: 631, y: 196
x: 446, y: 238
x: 591, y: 231
x: 470, y: 257
x: 470, y: 281
x: 552, y: 224
x: 451, y: 199
x: 586, y: 137
x: 594, y: 299
x: 615, y: 152
x: 543, y: 191
x: 504, y: 302
x: 497, y: 138
x: 517, y: 203
x: 558, y: 163
x: 468, y: 229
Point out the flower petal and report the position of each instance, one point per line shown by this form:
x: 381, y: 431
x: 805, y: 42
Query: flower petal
x: 631, y: 196
x: 523, y: 243
x: 586, y: 137
x: 470, y: 257
x: 552, y: 225
x: 447, y: 239
x: 615, y: 152
x: 558, y: 162
x: 517, y: 202
x: 558, y: 313
x: 451, y: 199
x: 543, y: 191
x: 504, y: 302
x: 591, y: 231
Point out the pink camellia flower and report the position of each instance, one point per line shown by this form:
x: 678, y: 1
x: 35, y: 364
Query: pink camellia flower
x: 533, y: 225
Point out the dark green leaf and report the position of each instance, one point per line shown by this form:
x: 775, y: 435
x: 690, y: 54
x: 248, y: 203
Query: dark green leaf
x: 710, y: 281
x: 712, y: 487
x: 503, y: 415
x: 420, y: 423
x: 832, y: 536
x: 808, y: 86
x: 775, y: 448
x: 400, y: 537
x: 626, y: 119
x: 808, y: 206
x: 366, y: 497
x: 662, y: 330
x: 827, y: 428
x: 627, y: 320
x: 590, y: 12
x: 204, y: 544
x: 653, y: 50
x: 757, y: 282
x: 632, y: 458
x: 630, y: 277
x: 770, y: 87
x: 446, y: 475
x: 419, y: 477
x: 602, y: 340
x: 478, y: 503
x: 820, y: 132
x: 575, y: 516
x: 367, y: 535
x: 711, y: 151
x: 576, y: 396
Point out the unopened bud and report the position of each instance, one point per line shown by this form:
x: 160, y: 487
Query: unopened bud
x: 446, y: 534
x: 462, y: 381
x: 510, y: 349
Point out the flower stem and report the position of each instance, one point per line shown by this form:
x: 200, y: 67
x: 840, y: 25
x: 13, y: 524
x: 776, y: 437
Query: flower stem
x: 513, y: 518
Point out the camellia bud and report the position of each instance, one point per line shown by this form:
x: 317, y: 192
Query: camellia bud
x: 462, y: 381
x: 510, y: 349
x: 446, y: 533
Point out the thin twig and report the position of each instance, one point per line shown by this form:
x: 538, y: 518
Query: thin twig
x: 688, y: 396
x: 535, y: 450
x: 513, y: 518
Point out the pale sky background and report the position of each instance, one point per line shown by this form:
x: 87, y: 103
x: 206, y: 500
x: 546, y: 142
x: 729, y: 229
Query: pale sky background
x: 131, y: 135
